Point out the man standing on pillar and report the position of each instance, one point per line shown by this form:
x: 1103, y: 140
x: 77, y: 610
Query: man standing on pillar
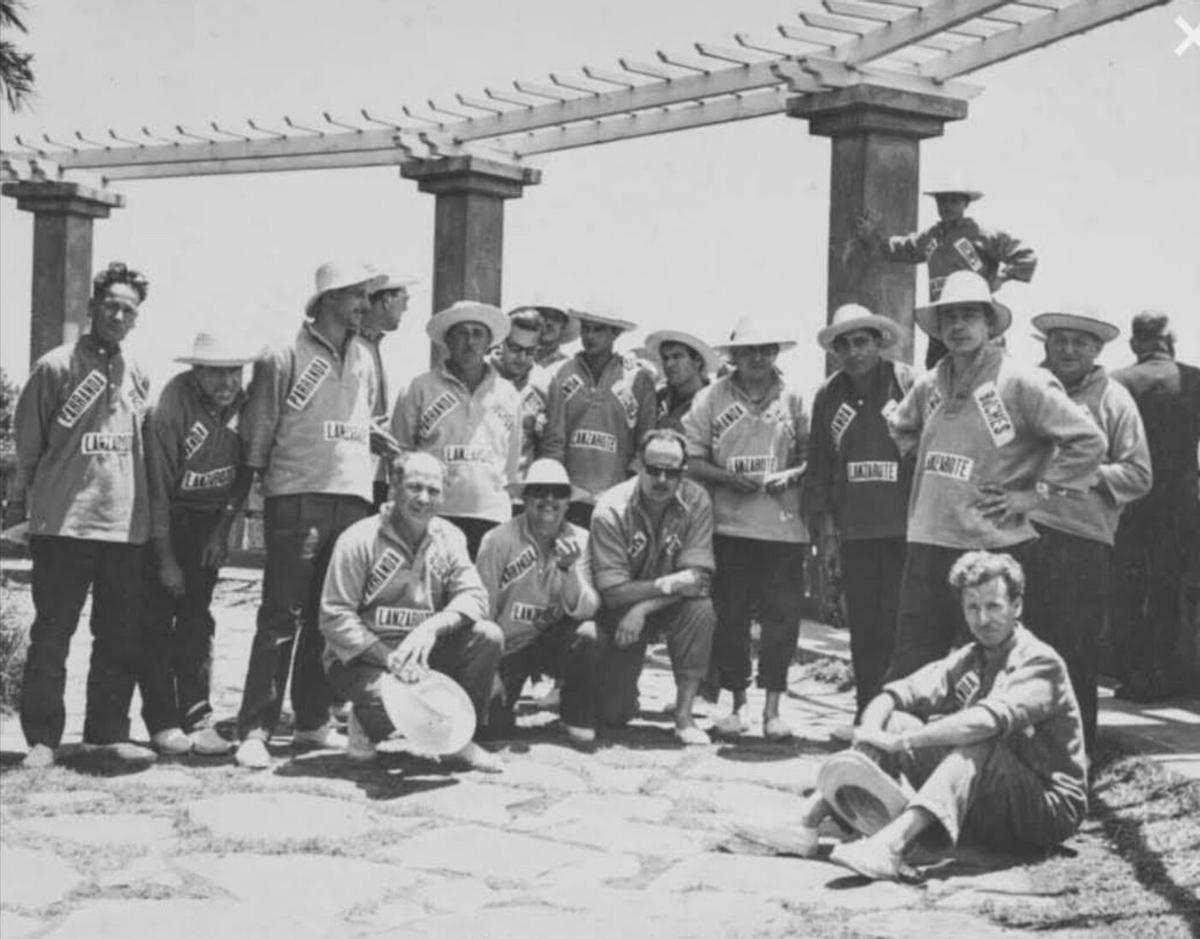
x: 994, y: 441
x: 557, y: 329
x: 80, y: 463
x: 1070, y: 564
x: 388, y: 305
x: 600, y: 406
x: 955, y: 243
x: 857, y: 485
x: 688, y: 363
x: 467, y: 416
x: 747, y: 437
x: 306, y: 429
x: 1159, y: 536
x: 513, y: 359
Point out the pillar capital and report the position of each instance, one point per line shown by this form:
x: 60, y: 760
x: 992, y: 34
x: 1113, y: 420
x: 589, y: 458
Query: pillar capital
x: 471, y: 174
x: 876, y: 109
x: 62, y: 198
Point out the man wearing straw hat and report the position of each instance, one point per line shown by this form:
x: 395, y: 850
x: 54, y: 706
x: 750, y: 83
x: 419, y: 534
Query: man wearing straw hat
x: 990, y: 735
x: 80, y: 462
x: 994, y: 440
x: 955, y: 243
x: 198, y: 484
x: 857, y: 485
x: 747, y: 436
x: 557, y: 328
x: 1070, y: 564
x: 600, y: 406
x: 537, y: 571
x: 688, y: 363
x: 402, y: 597
x: 468, y: 416
x: 306, y: 429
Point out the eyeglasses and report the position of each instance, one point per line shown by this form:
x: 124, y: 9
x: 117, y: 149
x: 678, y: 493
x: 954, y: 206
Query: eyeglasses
x: 538, y: 491
x: 664, y: 472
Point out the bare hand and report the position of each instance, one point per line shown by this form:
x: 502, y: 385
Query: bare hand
x: 742, y: 484
x: 382, y: 441
x: 567, y: 551
x: 1006, y: 505
x: 866, y: 226
x: 170, y: 575
x: 216, y: 549
x: 692, y: 582
x: 410, y: 660
x: 629, y: 627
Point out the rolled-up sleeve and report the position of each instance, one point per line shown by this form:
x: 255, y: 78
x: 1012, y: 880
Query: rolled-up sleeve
x: 264, y: 404
x: 340, y: 620
x: 610, y: 559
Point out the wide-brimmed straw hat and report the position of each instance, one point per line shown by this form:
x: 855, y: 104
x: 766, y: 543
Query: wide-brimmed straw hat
x: 570, y: 332
x: 603, y: 319
x: 468, y: 311
x: 335, y: 275
x: 956, y: 187
x: 1083, y: 319
x: 861, y: 793
x: 851, y: 316
x: 218, y: 352
x: 963, y: 287
x: 752, y: 331
x: 546, y: 472
x: 654, y: 342
x: 434, y: 714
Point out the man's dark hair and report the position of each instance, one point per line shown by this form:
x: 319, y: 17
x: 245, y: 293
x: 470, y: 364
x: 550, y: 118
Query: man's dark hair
x: 976, y: 568
x: 1152, y: 331
x: 526, y: 318
x: 665, y: 433
x: 118, y: 272
x: 696, y: 356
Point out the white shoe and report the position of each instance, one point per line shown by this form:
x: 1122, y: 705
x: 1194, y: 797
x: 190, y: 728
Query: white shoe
x: 473, y: 756
x: 692, y: 736
x: 359, y: 746
x: 580, y: 734
x: 323, y: 738
x: 776, y: 729
x: 252, y: 753
x: 39, y: 756
x: 207, y: 742
x: 123, y: 751
x: 732, y: 725
x: 172, y: 742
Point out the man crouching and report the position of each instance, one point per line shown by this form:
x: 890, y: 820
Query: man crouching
x: 402, y: 596
x: 991, y: 735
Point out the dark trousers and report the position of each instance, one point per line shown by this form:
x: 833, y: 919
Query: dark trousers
x: 1066, y: 601
x: 63, y: 571
x: 470, y: 655
x: 930, y: 621
x: 177, y: 651
x: 565, y: 651
x: 871, y: 571
x: 770, y: 576
x: 300, y: 531
x: 473, y: 528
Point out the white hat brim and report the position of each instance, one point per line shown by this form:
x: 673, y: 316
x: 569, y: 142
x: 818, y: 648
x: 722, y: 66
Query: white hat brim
x: 369, y: 282
x: 517, y: 490
x: 1105, y: 332
x: 971, y: 194
x: 927, y: 317
x: 654, y: 342
x: 216, y: 361
x: 861, y: 793
x: 728, y: 347
x: 434, y: 714
x: 439, y: 324
x: 583, y: 317
x: 888, y: 328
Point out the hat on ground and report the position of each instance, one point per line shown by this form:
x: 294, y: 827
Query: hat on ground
x: 751, y: 331
x: 1080, y: 318
x: 216, y: 351
x: 602, y: 319
x: 654, y: 342
x: 963, y: 287
x: 434, y: 714
x: 570, y: 332
x: 851, y: 316
x: 862, y: 794
x: 467, y: 311
x: 394, y: 282
x: 547, y: 472
x: 335, y: 275
x: 955, y: 187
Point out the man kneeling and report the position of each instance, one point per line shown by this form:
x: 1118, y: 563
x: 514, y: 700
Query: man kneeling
x: 991, y: 735
x: 402, y: 596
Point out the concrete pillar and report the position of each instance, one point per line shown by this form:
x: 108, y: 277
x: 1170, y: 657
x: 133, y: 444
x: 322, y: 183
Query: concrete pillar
x: 468, y: 231
x: 62, y: 255
x: 875, y: 166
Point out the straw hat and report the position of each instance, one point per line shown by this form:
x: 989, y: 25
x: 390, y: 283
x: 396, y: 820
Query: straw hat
x: 335, y: 275
x: 216, y: 351
x: 751, y: 331
x: 468, y: 311
x: 583, y: 316
x: 654, y: 342
x: 963, y: 287
x: 957, y: 187
x: 861, y: 793
x: 851, y: 316
x: 570, y: 332
x: 546, y: 472
x: 434, y: 714
x: 1080, y: 318
x: 394, y: 282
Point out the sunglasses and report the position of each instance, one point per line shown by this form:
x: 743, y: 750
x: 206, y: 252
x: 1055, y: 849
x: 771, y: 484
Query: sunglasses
x: 664, y: 472
x: 547, y: 492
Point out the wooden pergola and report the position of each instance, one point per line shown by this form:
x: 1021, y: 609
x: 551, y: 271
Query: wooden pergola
x: 875, y: 76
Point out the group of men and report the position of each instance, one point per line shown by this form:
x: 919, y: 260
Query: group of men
x: 521, y: 511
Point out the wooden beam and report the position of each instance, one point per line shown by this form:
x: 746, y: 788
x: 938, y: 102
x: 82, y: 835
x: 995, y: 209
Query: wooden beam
x: 230, y: 167
x: 930, y: 20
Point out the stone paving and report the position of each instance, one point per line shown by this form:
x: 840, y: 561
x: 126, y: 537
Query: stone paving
x: 632, y: 839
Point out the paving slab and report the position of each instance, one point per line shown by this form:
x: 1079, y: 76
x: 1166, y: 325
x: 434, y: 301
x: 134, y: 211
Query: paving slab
x: 281, y: 816
x: 921, y: 924
x: 632, y: 837
x: 116, y: 829
x: 69, y: 801
x: 611, y: 779
x: 189, y: 919
x: 457, y: 895
x: 161, y: 777
x: 590, y: 805
x: 519, y: 771
x: 782, y: 768
x: 16, y: 926
x: 153, y: 871
x: 736, y: 801
x: 466, y: 800
x: 30, y: 879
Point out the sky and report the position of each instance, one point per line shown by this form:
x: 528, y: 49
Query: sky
x: 1088, y: 150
